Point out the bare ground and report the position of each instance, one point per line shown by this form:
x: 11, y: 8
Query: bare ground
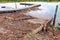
x: 14, y: 27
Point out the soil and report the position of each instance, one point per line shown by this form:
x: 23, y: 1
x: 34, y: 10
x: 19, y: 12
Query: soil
x: 49, y: 35
x: 44, y: 35
x: 13, y: 26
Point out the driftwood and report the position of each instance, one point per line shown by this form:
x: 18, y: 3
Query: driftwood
x: 31, y: 36
x: 26, y: 4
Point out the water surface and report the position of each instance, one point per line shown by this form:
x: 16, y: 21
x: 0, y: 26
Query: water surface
x: 49, y: 8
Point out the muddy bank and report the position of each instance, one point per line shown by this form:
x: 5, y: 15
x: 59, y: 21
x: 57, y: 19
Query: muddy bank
x: 13, y: 26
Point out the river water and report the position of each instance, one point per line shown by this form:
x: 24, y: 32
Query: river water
x: 48, y: 9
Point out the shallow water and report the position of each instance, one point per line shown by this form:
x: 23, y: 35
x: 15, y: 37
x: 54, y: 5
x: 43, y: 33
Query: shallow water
x: 49, y: 9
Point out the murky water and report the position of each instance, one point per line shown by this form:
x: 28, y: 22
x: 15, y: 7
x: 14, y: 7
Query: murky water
x: 48, y: 9
x: 51, y: 8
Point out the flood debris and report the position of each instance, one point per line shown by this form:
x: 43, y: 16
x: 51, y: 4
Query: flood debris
x: 3, y: 7
x: 26, y: 4
x: 14, y: 25
x: 43, y: 23
x: 18, y: 26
